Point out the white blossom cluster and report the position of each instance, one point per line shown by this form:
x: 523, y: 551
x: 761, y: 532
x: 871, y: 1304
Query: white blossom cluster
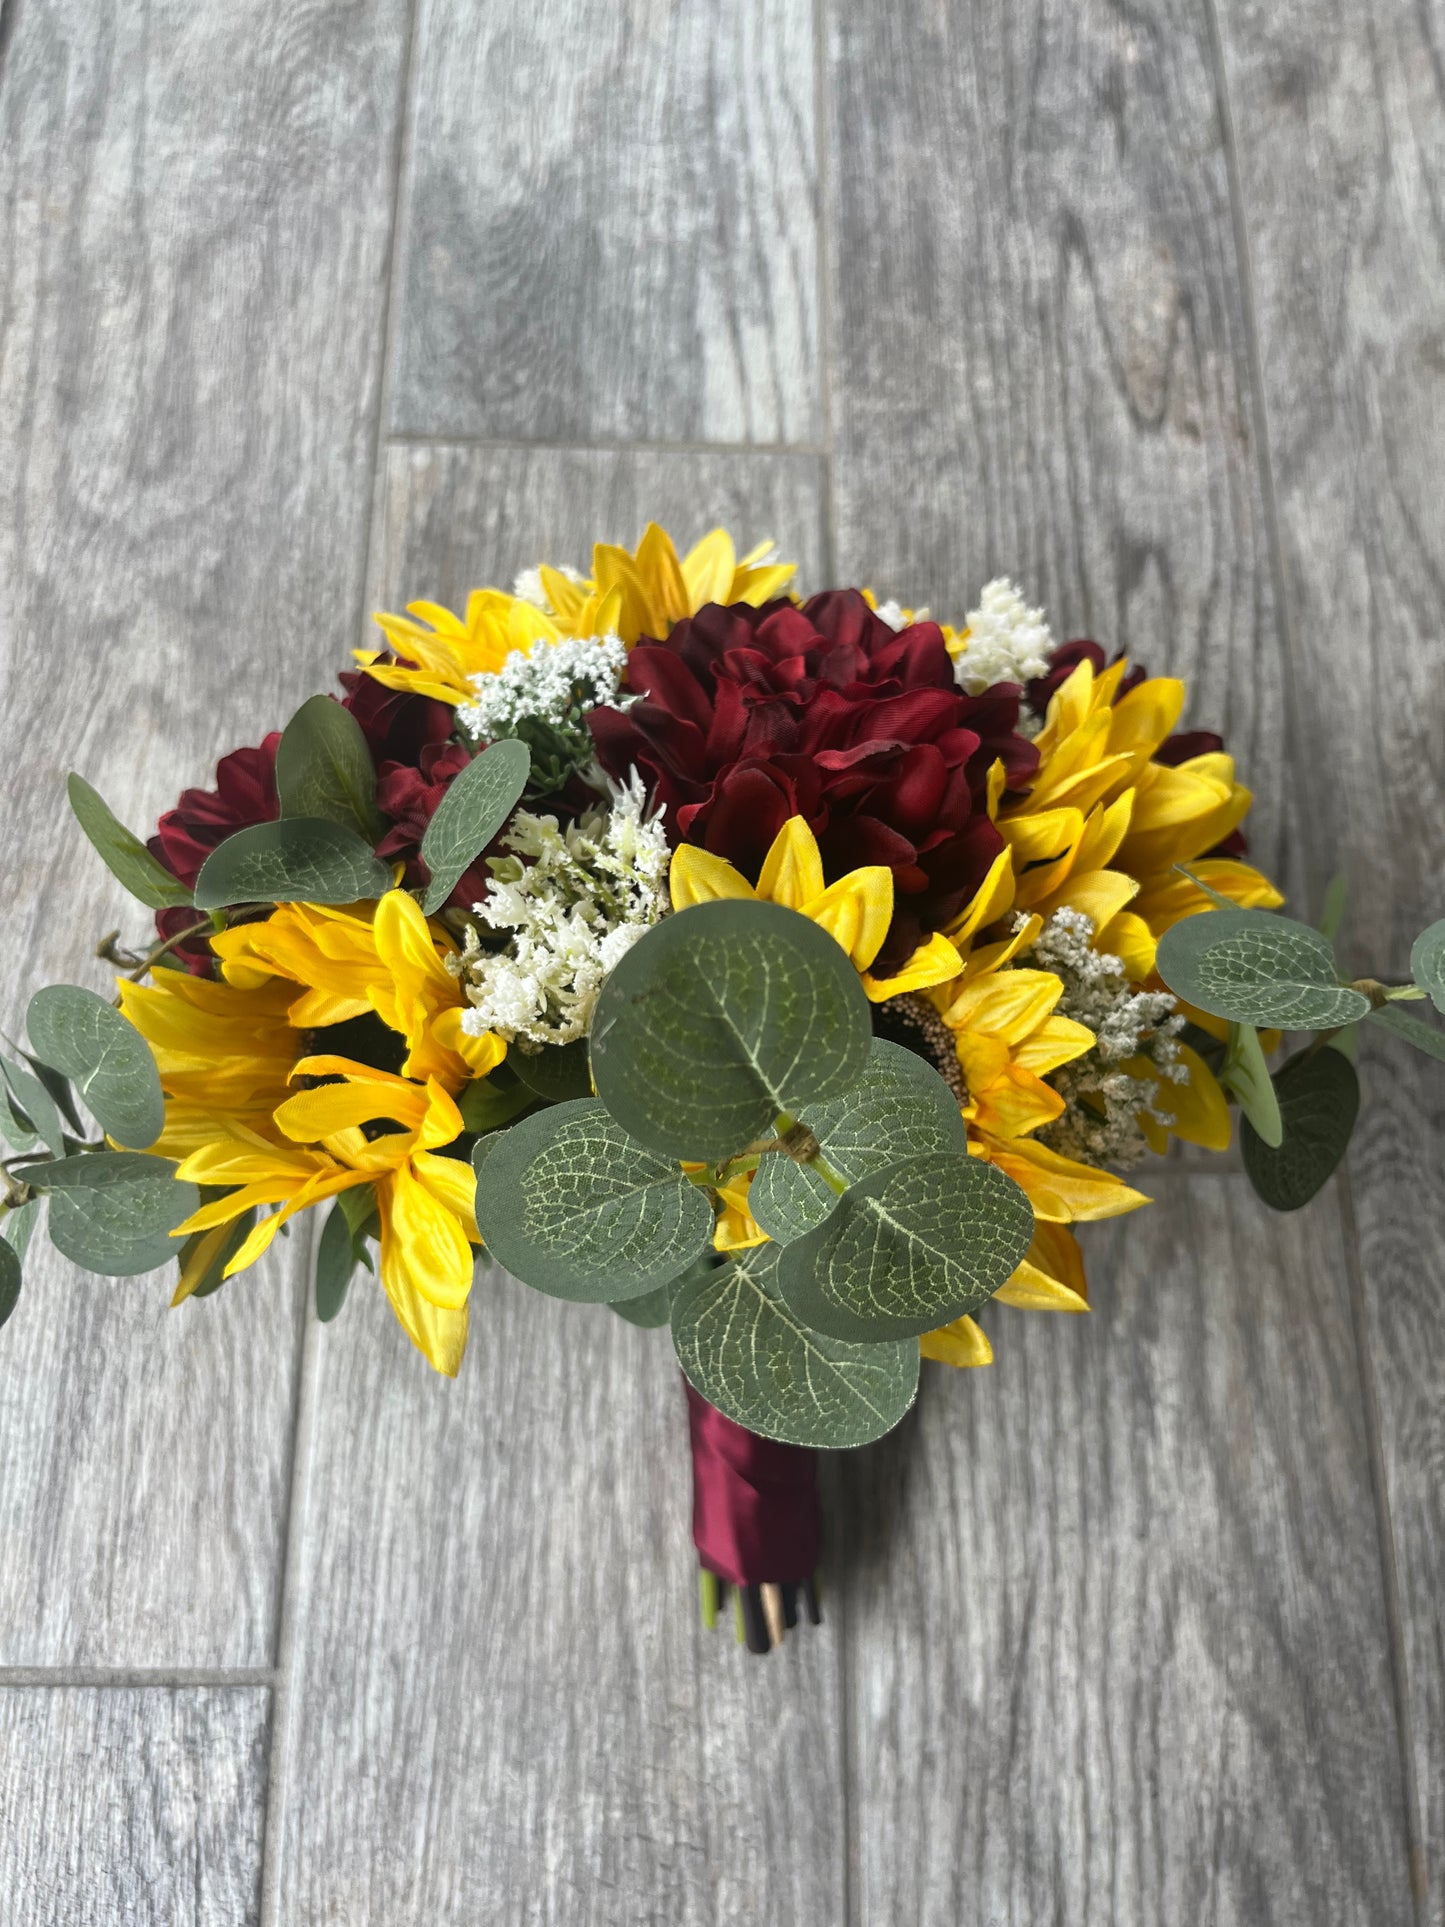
x: 1103, y: 1101
x: 897, y: 617
x: 1006, y: 641
x: 553, y: 683
x: 528, y: 587
x: 571, y: 901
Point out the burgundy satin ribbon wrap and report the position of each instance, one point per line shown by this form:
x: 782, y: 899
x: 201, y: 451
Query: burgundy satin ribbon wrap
x: 755, y: 1514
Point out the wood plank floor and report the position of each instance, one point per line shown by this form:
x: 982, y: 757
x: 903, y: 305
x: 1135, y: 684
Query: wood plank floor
x: 305, y: 311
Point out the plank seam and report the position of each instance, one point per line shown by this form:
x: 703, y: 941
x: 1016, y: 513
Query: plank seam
x: 421, y: 438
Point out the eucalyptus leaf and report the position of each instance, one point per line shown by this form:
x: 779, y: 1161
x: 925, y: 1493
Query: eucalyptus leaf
x: 1337, y: 896
x: 900, y: 1108
x: 113, y: 1211
x: 14, y: 1125
x: 572, y: 1206
x: 17, y: 1226
x: 1427, y: 962
x: 300, y: 859
x: 488, y: 1103
x: 335, y: 1262
x: 324, y: 768
x: 477, y: 803
x: 1254, y: 968
x: 359, y: 1207
x: 908, y: 1249
x: 122, y: 852
x: 1423, y: 1036
x: 745, y: 1350
x: 9, y: 1279
x: 1216, y: 897
x: 60, y: 1091
x: 34, y: 1106
x: 111, y: 1064
x: 555, y: 1072
x: 651, y: 1311
x: 1319, y: 1099
x: 1246, y: 1074
x: 721, y: 1018
x: 1346, y: 1041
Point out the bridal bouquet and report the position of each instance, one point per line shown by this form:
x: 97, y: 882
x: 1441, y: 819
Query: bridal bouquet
x: 794, y: 974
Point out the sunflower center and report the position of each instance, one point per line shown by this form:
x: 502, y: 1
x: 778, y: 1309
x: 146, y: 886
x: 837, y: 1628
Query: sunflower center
x: 910, y: 1020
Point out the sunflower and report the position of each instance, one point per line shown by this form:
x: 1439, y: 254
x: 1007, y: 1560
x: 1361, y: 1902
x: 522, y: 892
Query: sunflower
x: 630, y: 595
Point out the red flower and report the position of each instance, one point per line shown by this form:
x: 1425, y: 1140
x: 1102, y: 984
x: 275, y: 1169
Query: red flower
x: 409, y: 794
x: 749, y: 716
x: 245, y: 794
x: 397, y: 725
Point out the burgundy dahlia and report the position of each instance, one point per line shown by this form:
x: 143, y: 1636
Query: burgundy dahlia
x: 749, y: 716
x: 245, y: 794
x: 397, y: 725
x: 409, y: 794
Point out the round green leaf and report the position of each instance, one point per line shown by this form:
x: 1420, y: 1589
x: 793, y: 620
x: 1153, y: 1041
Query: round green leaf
x: 1257, y: 969
x: 651, y: 1311
x: 105, y: 1056
x: 33, y: 1106
x: 9, y: 1279
x: 900, y: 1108
x: 571, y: 1205
x: 324, y: 768
x: 1319, y: 1099
x: 719, y: 1019
x: 1427, y: 962
x: 301, y: 859
x: 113, y: 1211
x: 909, y: 1249
x: 745, y: 1350
x: 122, y: 852
x: 555, y: 1072
x: 476, y: 805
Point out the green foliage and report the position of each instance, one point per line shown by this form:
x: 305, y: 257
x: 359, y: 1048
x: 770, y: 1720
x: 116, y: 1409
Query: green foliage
x: 1424, y: 1037
x: 555, y: 1072
x: 1319, y: 1099
x: 113, y: 1211
x: 33, y: 1108
x: 324, y: 769
x: 748, y: 1353
x: 1337, y: 895
x: 899, y: 1109
x: 122, y: 852
x: 908, y: 1249
x: 1246, y: 1074
x: 15, y: 1127
x: 476, y: 805
x: 335, y: 1262
x: 1254, y: 968
x: 651, y: 1311
x: 490, y: 1102
x: 573, y: 1206
x: 301, y: 859
x: 722, y: 1018
x: 214, y: 1275
x: 88, y: 1040
x: 9, y: 1279
x: 1427, y: 963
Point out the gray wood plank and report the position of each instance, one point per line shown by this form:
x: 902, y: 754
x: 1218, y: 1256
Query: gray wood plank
x: 143, y: 1806
x: 504, y: 1704
x: 1040, y: 341
x: 610, y: 223
x: 1115, y: 1605
x: 190, y: 345
x: 1340, y: 123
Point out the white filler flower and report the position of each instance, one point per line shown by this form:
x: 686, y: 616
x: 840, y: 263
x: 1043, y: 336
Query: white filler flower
x: 572, y: 902
x: 1006, y: 641
x: 554, y: 682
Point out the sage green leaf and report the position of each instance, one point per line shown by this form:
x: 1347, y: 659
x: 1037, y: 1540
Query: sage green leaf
x: 214, y: 1275
x: 33, y: 1106
x: 300, y: 859
x: 9, y: 1279
x: 1257, y: 969
x: 17, y: 1226
x: 721, y: 1018
x: 554, y: 1071
x: 113, y: 1211
x: 900, y: 1108
x: 1337, y: 896
x: 1319, y: 1099
x: 1427, y: 962
x: 1423, y: 1036
x: 476, y: 805
x: 650, y: 1311
x: 111, y: 1064
x: 489, y: 1102
x: 744, y: 1348
x: 572, y: 1206
x: 908, y: 1249
x: 1346, y: 1041
x: 60, y: 1091
x: 324, y: 769
x: 1245, y: 1073
x: 358, y: 1206
x: 335, y: 1262
x: 15, y: 1127
x: 122, y: 852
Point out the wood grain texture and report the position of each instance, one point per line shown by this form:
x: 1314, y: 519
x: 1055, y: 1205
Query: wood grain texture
x: 190, y: 344
x: 1115, y: 1605
x: 1340, y: 119
x: 610, y: 226
x: 505, y: 1707
x: 1040, y: 345
x: 142, y: 1806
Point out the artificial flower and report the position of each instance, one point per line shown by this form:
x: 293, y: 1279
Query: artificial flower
x: 245, y: 794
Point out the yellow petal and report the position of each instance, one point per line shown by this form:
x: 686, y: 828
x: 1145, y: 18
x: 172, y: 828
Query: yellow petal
x: 934, y: 962
x: 792, y: 872
x: 1051, y: 1278
x: 440, y: 1335
x: 1142, y: 719
x: 200, y: 1261
x: 1014, y: 1104
x: 857, y: 911
x: 1130, y: 939
x: 962, y: 1343
x: 697, y: 876
x: 480, y: 1054
x: 453, y: 1182
x: 994, y: 897
x: 1199, y: 1110
x: 312, y: 1115
x: 1007, y: 1004
x: 424, y: 1249
x: 1057, y: 1040
x: 707, y: 570
x: 1059, y: 1188
x: 1099, y: 894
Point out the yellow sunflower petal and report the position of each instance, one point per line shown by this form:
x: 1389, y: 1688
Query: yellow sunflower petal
x: 1061, y: 1189
x: 1057, y: 1040
x: 857, y: 911
x: 963, y: 1343
x: 424, y: 1249
x: 792, y: 872
x: 994, y: 896
x: 697, y: 876
x: 932, y: 963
